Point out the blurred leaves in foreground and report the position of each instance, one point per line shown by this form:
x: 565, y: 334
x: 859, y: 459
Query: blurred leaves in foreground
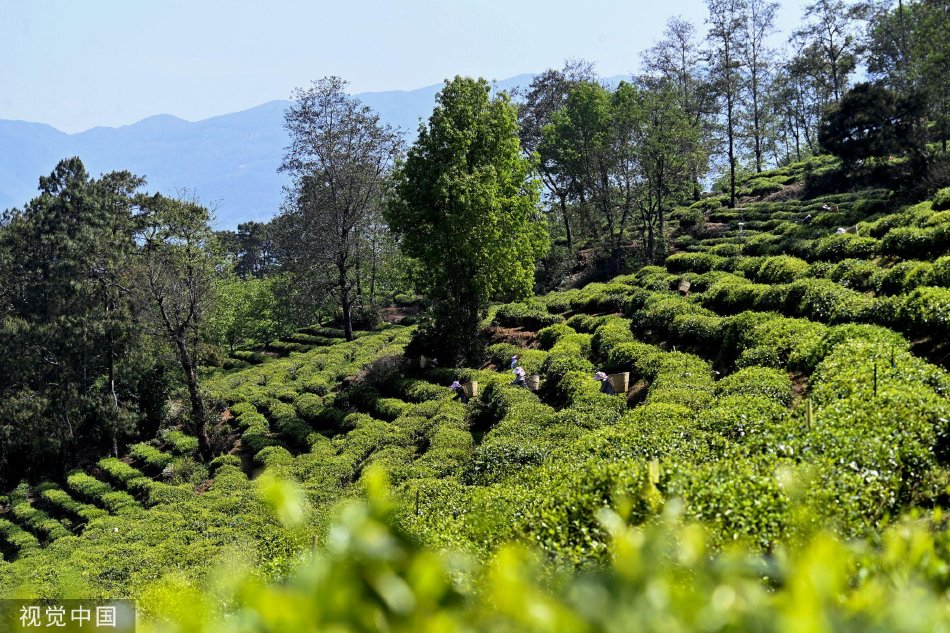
x: 371, y: 576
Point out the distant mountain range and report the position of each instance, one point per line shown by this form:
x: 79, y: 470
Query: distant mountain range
x: 229, y: 161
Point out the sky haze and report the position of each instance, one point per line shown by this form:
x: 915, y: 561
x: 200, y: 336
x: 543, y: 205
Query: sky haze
x: 77, y: 65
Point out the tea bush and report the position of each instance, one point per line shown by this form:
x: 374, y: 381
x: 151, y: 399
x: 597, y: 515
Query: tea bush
x: 757, y: 381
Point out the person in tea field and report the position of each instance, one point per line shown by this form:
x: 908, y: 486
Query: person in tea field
x: 519, y: 380
x: 514, y: 361
x: 605, y: 385
x: 459, y: 392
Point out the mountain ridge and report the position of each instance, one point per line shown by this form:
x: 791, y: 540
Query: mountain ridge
x: 229, y: 160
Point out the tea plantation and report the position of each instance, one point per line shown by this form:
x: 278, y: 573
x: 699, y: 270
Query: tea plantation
x: 779, y: 462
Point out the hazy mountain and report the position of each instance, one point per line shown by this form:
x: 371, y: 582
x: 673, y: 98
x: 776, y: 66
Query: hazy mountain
x: 230, y: 161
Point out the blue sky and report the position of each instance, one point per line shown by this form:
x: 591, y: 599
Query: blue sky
x: 79, y: 64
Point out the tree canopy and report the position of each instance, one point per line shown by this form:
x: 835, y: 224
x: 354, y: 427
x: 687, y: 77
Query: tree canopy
x: 466, y: 206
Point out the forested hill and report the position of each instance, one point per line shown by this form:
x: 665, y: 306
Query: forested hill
x: 229, y: 161
x: 777, y: 400
x: 670, y: 354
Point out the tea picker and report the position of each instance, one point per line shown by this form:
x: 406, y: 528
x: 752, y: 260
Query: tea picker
x: 605, y: 385
x: 519, y: 380
x: 459, y: 392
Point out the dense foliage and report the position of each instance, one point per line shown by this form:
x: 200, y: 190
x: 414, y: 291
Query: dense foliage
x: 466, y: 208
x: 207, y: 422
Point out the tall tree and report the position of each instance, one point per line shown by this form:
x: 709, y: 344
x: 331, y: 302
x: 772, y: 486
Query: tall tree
x: 679, y: 60
x: 466, y: 206
x: 756, y: 57
x: 590, y: 143
x: 547, y: 94
x: 930, y: 61
x: 66, y: 319
x: 666, y: 143
x: 175, y: 288
x: 725, y: 41
x: 250, y: 248
x: 908, y: 50
x: 802, y: 97
x: 830, y: 35
x: 339, y: 156
x: 872, y: 121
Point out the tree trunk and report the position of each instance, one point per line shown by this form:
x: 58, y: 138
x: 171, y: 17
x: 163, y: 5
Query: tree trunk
x: 372, y: 279
x: 359, y: 285
x: 346, y: 303
x: 756, y: 125
x: 198, y: 413
x: 567, y: 223
x: 651, y: 240
x: 730, y: 131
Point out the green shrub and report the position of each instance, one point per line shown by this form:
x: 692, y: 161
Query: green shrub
x: 660, y: 311
x: 764, y: 186
x: 273, y: 456
x: 237, y: 410
x: 725, y: 250
x: 21, y: 540
x: 586, y: 323
x: 99, y: 492
x: 651, y: 431
x: 781, y: 269
x: 308, y: 407
x: 281, y: 410
x: 610, y: 297
x: 731, y: 295
x: 761, y: 244
x: 736, y: 499
x: 578, y: 344
x: 526, y: 315
x: 693, y: 399
x: 39, y: 522
x: 940, y: 275
x: 824, y: 300
x: 611, y: 333
x: 689, y: 218
x: 696, y: 330
x: 550, y: 335
x: 764, y: 382
x: 415, y: 390
x: 182, y: 444
x: 909, y: 242
x: 389, y: 408
x: 841, y: 246
x: 693, y: 262
x: 643, y: 360
x: 942, y: 199
x: 857, y: 274
x: 221, y: 461
x: 926, y: 311
x: 562, y: 519
x: 741, y: 415
x: 153, y: 458
x: 556, y: 368
x: 82, y: 512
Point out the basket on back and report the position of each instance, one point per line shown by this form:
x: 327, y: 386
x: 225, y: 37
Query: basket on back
x: 621, y: 381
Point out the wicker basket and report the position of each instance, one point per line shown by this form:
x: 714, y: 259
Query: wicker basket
x: 470, y: 389
x: 534, y: 382
x: 621, y: 381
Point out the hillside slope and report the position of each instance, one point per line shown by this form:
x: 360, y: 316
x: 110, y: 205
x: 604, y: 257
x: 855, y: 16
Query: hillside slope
x: 785, y: 388
x: 229, y: 161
